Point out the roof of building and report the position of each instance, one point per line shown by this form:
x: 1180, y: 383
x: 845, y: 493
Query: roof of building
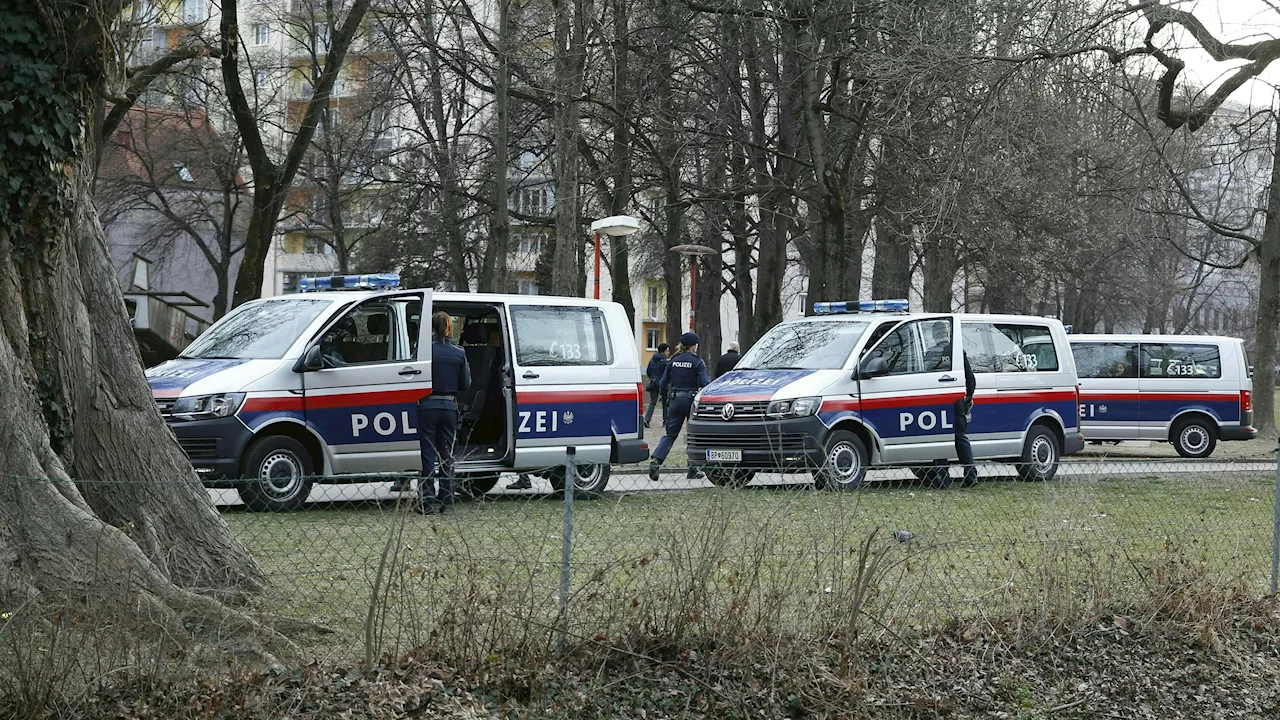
x: 167, y: 147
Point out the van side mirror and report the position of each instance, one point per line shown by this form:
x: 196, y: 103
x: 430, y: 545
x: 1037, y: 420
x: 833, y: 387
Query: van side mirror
x: 310, y: 360
x: 873, y: 366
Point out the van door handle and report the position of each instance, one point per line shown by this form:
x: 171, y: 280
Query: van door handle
x: 529, y: 375
x: 946, y: 378
x: 410, y: 372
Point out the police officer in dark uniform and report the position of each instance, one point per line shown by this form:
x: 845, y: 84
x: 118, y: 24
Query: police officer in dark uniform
x: 685, y: 375
x: 964, y: 413
x: 438, y: 416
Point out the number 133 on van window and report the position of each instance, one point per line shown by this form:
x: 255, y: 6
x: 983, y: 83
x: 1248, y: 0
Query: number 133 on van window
x: 565, y: 351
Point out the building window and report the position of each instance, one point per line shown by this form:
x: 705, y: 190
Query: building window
x: 526, y: 286
x: 262, y: 79
x: 315, y: 246
x: 530, y: 243
x: 531, y: 201
x: 653, y: 302
x: 193, y: 11
x: 804, y: 303
x: 652, y: 337
x: 183, y: 172
x: 261, y: 34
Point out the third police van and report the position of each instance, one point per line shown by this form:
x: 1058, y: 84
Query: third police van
x: 326, y: 383
x: 1188, y: 390
x: 863, y: 384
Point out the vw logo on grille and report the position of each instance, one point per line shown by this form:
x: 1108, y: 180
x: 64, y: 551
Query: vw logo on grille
x: 726, y: 412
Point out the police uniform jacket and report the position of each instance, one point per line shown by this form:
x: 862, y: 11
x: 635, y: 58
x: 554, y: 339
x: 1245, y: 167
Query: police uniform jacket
x: 656, y: 368
x: 686, y: 371
x: 450, y: 373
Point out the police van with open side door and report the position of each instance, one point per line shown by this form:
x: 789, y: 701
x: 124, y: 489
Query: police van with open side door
x: 866, y: 384
x: 1187, y: 390
x: 322, y: 386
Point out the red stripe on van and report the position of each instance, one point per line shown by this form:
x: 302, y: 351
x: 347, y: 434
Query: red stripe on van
x: 573, y: 396
x: 325, y: 402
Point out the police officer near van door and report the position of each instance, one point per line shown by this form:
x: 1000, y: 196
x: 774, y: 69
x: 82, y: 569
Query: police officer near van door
x: 656, y: 369
x: 438, y: 416
x: 685, y: 375
x: 963, y: 412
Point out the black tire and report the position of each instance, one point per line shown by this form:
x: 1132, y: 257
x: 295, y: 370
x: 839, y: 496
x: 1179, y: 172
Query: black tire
x: 844, y: 462
x: 1194, y: 437
x: 729, y: 477
x: 474, y: 487
x: 1041, y: 455
x: 590, y: 479
x: 277, y: 472
x: 934, y: 476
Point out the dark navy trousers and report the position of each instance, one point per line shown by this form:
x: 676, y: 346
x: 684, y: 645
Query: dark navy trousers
x: 437, y: 428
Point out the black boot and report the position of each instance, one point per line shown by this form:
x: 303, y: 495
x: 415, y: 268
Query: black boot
x: 522, y: 483
x: 653, y: 470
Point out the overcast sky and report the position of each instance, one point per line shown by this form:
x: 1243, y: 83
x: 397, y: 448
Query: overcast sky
x: 1232, y: 21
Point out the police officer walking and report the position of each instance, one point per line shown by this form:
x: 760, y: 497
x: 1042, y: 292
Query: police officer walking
x: 438, y: 416
x: 685, y: 375
x: 964, y: 413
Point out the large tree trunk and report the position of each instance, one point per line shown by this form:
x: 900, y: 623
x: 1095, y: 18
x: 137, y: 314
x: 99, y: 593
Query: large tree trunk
x: 619, y: 250
x: 96, y: 498
x: 493, y: 277
x: 1264, y: 361
x: 567, y: 129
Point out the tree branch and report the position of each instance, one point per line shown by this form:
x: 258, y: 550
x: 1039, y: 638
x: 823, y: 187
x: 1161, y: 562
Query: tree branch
x: 141, y: 79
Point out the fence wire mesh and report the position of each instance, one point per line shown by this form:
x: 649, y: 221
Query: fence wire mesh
x: 683, y: 556
x: 511, y: 568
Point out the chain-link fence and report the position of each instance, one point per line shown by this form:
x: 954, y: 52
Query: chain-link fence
x: 530, y: 565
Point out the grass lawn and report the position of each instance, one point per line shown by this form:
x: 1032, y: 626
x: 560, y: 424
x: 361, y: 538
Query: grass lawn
x: 487, y: 575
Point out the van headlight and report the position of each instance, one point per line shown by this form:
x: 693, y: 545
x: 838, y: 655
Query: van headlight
x: 206, y: 407
x: 797, y: 407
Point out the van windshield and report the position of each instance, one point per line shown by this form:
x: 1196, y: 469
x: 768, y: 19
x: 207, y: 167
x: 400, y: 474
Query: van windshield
x: 804, y: 346
x: 257, y: 331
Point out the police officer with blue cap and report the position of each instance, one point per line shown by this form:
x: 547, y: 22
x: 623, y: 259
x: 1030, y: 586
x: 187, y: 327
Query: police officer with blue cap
x: 684, y: 376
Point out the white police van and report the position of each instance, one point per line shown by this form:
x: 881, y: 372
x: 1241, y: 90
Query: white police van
x: 863, y: 384
x: 1188, y: 390
x: 326, y: 383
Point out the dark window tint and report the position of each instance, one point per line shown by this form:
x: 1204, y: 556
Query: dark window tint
x: 1180, y: 360
x: 560, y: 336
x: 1106, y: 360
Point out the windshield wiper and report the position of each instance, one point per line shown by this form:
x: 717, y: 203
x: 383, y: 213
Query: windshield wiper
x: 210, y: 357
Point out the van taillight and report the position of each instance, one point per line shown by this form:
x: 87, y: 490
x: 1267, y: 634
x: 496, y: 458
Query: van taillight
x: 1246, y: 401
x: 640, y: 396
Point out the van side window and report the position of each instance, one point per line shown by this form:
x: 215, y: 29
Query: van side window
x: 975, y: 340
x: 1023, y: 348
x: 1176, y: 361
x: 560, y: 336
x: 904, y: 348
x: 1106, y: 360
x: 367, y: 334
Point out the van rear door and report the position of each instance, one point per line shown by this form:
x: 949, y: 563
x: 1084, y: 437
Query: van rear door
x: 377, y: 365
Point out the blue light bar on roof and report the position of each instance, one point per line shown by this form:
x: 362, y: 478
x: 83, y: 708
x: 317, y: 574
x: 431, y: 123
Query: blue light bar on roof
x: 832, y: 308
x: 376, y: 281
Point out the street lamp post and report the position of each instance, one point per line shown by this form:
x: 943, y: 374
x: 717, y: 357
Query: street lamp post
x: 693, y: 251
x: 616, y: 226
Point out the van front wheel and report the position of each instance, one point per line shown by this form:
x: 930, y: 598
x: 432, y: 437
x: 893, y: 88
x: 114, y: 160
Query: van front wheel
x: 1194, y: 438
x: 1041, y: 453
x: 844, y: 462
x: 277, y: 474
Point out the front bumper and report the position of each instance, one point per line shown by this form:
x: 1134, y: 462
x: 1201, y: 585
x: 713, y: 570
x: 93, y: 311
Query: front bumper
x: 765, y: 444
x: 214, y: 447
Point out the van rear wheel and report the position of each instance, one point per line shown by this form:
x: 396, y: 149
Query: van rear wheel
x: 1194, y: 438
x: 277, y: 473
x: 589, y: 481
x: 1041, y: 453
x: 474, y: 487
x: 844, y: 462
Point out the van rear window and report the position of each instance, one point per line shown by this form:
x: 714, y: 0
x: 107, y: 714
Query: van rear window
x: 560, y: 336
x: 1180, y: 360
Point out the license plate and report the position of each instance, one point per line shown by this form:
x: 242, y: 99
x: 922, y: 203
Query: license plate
x: 724, y: 456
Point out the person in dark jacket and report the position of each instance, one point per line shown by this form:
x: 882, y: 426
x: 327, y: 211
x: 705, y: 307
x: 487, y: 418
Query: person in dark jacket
x: 438, y: 416
x: 729, y: 360
x: 657, y: 366
x: 964, y: 413
x: 685, y: 375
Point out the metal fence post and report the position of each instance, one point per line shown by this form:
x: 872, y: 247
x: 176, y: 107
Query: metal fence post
x: 1275, y: 531
x: 566, y: 546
